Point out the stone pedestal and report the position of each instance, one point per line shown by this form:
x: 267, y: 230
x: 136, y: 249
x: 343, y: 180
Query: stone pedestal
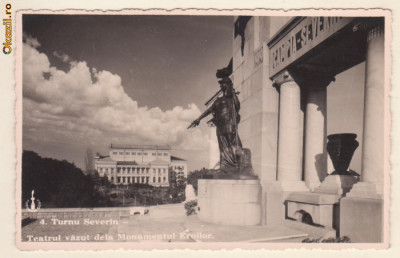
x: 361, y: 219
x: 276, y: 198
x: 229, y: 202
x: 322, y: 205
x: 336, y: 184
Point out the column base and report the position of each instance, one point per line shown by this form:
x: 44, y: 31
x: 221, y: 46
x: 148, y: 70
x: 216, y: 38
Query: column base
x: 336, y: 184
x: 366, y: 190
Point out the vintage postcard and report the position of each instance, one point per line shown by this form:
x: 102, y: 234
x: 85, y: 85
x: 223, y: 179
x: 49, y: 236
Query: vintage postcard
x: 147, y: 129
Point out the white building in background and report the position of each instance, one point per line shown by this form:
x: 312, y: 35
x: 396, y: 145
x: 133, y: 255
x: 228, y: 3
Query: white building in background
x: 127, y: 164
x: 179, y: 166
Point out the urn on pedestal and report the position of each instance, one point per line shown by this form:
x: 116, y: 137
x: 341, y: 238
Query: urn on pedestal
x: 341, y: 148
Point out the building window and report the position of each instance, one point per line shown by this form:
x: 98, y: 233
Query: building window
x: 154, y: 154
x: 165, y: 154
x: 127, y: 153
x: 164, y: 179
x: 159, y: 154
x: 121, y: 153
x: 154, y: 179
x: 115, y: 153
x: 145, y: 153
x: 133, y: 153
x: 159, y: 179
x: 112, y: 169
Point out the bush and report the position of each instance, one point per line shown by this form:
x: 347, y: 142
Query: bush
x: 191, y: 207
x: 344, y: 239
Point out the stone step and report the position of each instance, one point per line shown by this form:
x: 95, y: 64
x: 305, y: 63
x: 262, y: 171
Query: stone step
x: 312, y: 231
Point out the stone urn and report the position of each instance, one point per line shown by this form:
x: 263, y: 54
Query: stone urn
x: 341, y: 148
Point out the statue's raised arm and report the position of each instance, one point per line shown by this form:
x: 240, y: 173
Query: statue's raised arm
x: 203, y: 115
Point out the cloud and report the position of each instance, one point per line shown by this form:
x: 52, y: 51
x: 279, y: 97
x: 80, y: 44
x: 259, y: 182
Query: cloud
x: 72, y: 108
x: 29, y: 40
x: 62, y: 56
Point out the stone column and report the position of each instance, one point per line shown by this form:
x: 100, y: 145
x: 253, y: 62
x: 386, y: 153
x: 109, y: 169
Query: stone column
x: 315, y: 161
x: 371, y: 185
x: 289, y: 171
x: 290, y: 134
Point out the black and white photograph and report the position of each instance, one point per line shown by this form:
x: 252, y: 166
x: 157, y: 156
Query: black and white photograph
x: 257, y: 130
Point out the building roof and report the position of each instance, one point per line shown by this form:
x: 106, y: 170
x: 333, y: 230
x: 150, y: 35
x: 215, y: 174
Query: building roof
x: 134, y: 146
x: 127, y: 163
x: 159, y: 162
x: 173, y: 158
x: 104, y: 158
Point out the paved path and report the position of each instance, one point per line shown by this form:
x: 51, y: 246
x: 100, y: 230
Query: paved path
x: 170, y: 224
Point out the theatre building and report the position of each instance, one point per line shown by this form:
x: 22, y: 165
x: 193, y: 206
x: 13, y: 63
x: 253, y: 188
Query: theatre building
x: 141, y: 164
x: 313, y: 91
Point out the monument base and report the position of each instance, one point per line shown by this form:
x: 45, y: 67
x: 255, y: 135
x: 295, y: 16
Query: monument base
x: 313, y: 208
x: 229, y: 201
x: 320, y: 207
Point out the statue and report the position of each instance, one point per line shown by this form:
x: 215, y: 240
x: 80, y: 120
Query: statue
x: 32, y: 200
x: 234, y: 160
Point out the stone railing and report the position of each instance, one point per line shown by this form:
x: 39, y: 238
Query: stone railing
x: 76, y: 213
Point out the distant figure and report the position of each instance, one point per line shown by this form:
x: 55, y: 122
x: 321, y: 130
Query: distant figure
x: 225, y: 111
x: 189, y: 193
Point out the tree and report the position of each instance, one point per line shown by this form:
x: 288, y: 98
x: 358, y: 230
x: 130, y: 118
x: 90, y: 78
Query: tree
x: 89, y: 162
x: 58, y: 183
x: 194, y: 176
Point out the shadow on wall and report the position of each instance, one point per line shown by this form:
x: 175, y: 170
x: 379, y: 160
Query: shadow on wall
x: 321, y: 166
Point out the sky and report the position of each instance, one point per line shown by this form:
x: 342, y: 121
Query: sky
x: 93, y: 80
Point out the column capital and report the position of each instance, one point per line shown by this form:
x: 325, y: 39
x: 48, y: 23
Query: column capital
x: 282, y: 78
x: 312, y: 77
x: 375, y: 32
x: 370, y: 26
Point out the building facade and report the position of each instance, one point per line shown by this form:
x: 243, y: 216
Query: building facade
x: 282, y: 66
x: 141, y: 164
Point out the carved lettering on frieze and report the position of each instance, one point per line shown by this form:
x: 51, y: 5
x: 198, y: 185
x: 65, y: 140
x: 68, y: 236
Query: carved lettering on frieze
x: 258, y: 57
